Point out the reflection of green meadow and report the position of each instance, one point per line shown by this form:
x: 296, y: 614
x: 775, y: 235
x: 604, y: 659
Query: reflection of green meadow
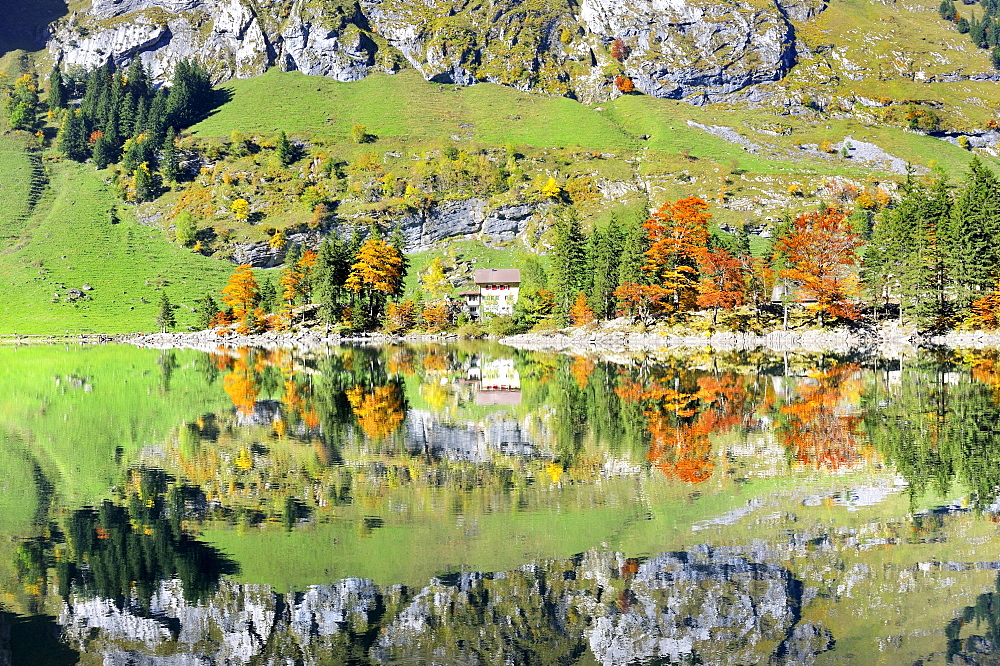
x: 867, y: 548
x: 82, y: 413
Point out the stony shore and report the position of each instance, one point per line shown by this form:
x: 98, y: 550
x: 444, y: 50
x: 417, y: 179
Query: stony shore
x: 886, y: 340
x: 299, y: 342
x: 609, y: 338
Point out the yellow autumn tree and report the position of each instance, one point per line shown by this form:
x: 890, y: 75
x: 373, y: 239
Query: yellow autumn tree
x: 434, y: 281
x: 376, y: 274
x: 242, y: 295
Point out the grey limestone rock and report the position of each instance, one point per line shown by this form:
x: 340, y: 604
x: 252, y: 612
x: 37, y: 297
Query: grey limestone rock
x: 677, y: 49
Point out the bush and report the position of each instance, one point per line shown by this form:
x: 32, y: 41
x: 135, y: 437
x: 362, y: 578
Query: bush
x: 470, y: 329
x: 500, y: 326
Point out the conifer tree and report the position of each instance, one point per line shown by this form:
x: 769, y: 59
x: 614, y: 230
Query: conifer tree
x: 605, y: 265
x: 57, y: 90
x: 169, y: 163
x: 207, y: 309
x: 398, y: 241
x: 974, y: 234
x: 72, y: 138
x: 165, y: 318
x: 568, y: 262
x: 105, y: 152
x: 268, y: 296
x: 284, y: 150
x: 332, y: 267
x: 635, y: 243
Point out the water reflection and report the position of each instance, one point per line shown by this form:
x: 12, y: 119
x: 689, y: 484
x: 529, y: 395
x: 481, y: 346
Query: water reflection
x: 473, y: 504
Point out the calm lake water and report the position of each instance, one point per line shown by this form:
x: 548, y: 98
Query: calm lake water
x: 471, y: 504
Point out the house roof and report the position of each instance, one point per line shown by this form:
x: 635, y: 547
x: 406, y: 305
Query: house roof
x: 498, y: 276
x: 471, y: 292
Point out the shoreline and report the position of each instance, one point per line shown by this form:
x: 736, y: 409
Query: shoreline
x: 888, y: 340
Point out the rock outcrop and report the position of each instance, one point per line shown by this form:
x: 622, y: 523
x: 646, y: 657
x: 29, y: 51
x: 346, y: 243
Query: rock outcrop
x: 722, y: 605
x: 675, y: 49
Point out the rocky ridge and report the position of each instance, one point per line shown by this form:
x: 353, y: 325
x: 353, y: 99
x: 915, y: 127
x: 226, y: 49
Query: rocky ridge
x: 677, y: 49
x: 705, y: 601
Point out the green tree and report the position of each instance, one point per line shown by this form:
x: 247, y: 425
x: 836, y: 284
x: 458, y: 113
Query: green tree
x: 165, y: 317
x: 605, y: 266
x: 57, y: 90
x: 207, y: 308
x: 333, y: 264
x: 568, y: 262
x: 185, y: 229
x: 143, y: 184
x: 947, y: 10
x: 268, y: 296
x: 284, y: 150
x: 169, y: 163
x: 105, y: 152
x: 971, y: 243
x: 72, y: 138
x: 635, y: 244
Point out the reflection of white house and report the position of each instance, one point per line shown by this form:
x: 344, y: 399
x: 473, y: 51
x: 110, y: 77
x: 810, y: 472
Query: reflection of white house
x: 499, y: 384
x: 496, y: 292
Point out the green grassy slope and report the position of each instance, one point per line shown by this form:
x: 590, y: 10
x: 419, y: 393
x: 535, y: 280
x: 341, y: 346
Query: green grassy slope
x: 405, y: 105
x: 71, y: 240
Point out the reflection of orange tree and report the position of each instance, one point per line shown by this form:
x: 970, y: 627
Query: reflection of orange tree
x: 241, y: 385
x: 815, y: 430
x: 680, y: 422
x: 985, y: 369
x: 581, y: 370
x: 379, y: 412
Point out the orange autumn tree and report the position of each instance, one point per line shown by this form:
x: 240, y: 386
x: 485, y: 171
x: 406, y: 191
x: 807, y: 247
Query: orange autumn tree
x: 819, y: 252
x: 242, y: 294
x: 680, y: 421
x: 678, y: 238
x: 581, y: 313
x: 376, y: 274
x: 985, y: 311
x: 435, y: 317
x: 296, y: 282
x: 678, y: 235
x: 723, y: 283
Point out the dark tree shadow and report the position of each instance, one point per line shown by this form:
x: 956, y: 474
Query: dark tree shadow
x: 24, y: 23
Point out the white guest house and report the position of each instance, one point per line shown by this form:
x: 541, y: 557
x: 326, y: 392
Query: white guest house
x: 496, y: 292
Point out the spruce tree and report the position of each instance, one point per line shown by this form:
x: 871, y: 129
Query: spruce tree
x: 72, y: 137
x: 207, y: 308
x: 165, y: 318
x: 57, y: 90
x: 268, y: 296
x: 568, y: 262
x: 974, y: 233
x: 633, y: 255
x: 605, y: 265
x: 284, y: 150
x: 398, y: 241
x: 169, y: 163
x: 105, y: 152
x: 333, y: 264
x: 138, y: 80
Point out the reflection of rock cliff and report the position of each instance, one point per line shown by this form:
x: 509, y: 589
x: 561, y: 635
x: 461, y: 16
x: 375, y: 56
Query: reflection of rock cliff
x: 474, y: 442
x: 671, y: 49
x: 717, y: 606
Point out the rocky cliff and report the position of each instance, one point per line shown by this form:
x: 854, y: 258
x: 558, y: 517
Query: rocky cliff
x: 668, y: 48
x: 714, y: 604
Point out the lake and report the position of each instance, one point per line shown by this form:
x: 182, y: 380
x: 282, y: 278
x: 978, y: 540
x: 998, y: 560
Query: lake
x: 473, y: 504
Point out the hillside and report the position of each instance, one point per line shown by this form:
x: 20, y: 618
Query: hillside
x: 869, y: 89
